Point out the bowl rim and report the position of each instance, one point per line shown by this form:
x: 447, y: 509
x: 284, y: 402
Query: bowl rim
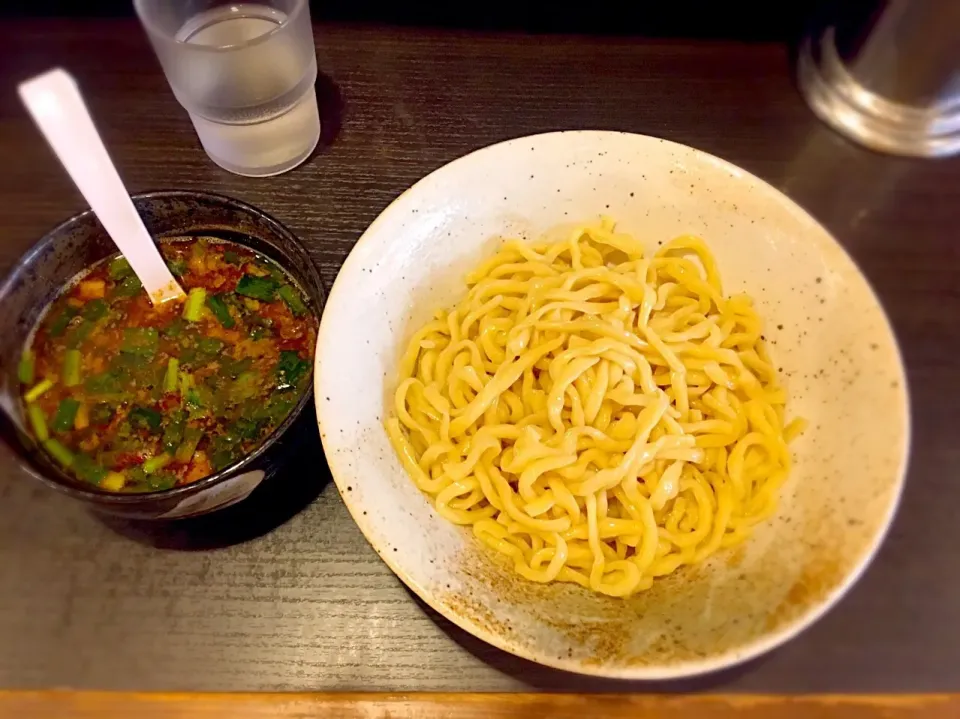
x: 675, y: 670
x: 99, y: 496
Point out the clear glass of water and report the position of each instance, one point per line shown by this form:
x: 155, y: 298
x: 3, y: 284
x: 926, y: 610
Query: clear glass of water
x: 245, y: 73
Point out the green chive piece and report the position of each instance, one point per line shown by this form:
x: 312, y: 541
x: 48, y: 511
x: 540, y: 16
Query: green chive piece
x: 33, y: 394
x: 66, y: 414
x: 155, y: 463
x: 170, y: 378
x: 26, y: 367
x: 119, y: 268
x: 71, y: 368
x: 142, y: 341
x: 220, y: 311
x: 178, y: 267
x: 60, y: 453
x: 38, y: 422
x: 194, y: 304
x: 293, y: 300
x: 191, y: 438
x: 258, y: 288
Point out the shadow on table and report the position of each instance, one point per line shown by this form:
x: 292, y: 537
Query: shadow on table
x: 549, y: 679
x: 300, y: 477
x: 330, y: 107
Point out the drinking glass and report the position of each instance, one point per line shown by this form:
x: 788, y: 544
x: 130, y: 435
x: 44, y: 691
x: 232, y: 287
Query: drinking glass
x: 245, y: 73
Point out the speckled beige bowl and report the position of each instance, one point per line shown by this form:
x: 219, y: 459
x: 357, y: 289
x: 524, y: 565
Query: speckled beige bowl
x: 827, y: 333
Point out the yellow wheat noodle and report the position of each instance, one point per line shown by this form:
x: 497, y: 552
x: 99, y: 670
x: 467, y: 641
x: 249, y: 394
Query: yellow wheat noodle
x: 598, y: 416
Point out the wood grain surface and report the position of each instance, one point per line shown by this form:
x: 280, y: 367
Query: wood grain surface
x: 282, y: 592
x: 100, y: 705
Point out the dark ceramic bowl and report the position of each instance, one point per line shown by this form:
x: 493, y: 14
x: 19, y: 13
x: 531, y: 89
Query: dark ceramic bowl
x: 80, y: 242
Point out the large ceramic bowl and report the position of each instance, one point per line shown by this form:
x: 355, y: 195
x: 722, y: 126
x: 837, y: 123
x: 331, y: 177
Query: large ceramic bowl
x: 81, y: 241
x: 826, y: 331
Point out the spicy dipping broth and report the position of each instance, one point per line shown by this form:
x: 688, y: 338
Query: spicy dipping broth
x: 132, y: 397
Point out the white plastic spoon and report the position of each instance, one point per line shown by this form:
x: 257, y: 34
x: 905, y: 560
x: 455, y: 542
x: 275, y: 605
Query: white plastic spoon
x: 54, y: 101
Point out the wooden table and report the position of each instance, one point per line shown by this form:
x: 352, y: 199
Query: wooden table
x: 287, y: 595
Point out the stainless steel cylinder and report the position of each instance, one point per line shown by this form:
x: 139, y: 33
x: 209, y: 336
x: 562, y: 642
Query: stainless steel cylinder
x: 887, y: 75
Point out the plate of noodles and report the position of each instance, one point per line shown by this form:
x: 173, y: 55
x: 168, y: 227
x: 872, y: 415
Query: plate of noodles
x: 612, y: 404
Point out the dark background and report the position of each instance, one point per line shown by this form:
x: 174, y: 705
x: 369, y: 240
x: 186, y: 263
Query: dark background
x: 748, y: 20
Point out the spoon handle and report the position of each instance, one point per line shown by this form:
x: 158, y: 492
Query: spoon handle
x: 54, y: 101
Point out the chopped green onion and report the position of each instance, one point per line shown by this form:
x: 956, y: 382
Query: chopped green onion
x: 224, y: 456
x: 209, y: 348
x: 194, y: 304
x: 186, y: 381
x: 94, y: 310
x: 277, y: 406
x: 161, y: 480
x: 87, y: 469
x: 173, y: 431
x: 26, y: 367
x: 119, y: 268
x: 191, y: 438
x: 170, y: 378
x: 145, y: 418
x: 78, y: 334
x: 66, y: 413
x: 177, y: 267
x: 291, y: 368
x: 293, y: 300
x: 220, y: 311
x: 193, y: 400
x: 142, y: 341
x: 246, y: 386
x: 37, y: 391
x: 59, y: 323
x: 60, y: 453
x: 38, y: 422
x: 71, y: 368
x: 104, y: 384
x: 155, y: 463
x: 202, y: 351
x: 129, y: 287
x: 175, y: 328
x: 246, y: 428
x: 234, y: 367
x: 259, y: 288
x: 275, y: 272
